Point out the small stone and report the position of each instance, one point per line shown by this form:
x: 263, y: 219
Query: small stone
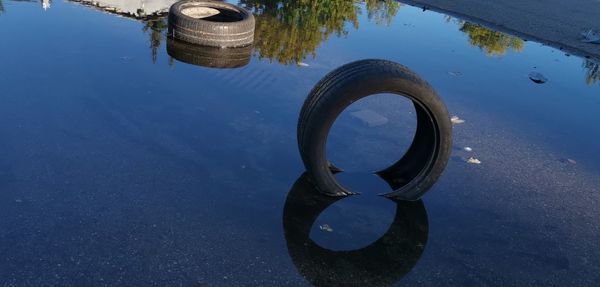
x: 473, y: 160
x: 456, y: 120
x: 591, y: 36
x: 537, y: 78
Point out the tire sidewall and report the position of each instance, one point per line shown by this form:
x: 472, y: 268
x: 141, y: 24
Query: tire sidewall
x: 318, y: 118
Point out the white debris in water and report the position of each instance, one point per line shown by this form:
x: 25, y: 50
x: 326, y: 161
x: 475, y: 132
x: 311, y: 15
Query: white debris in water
x: 326, y: 228
x: 571, y: 161
x: 134, y: 8
x: 302, y: 64
x: 455, y: 74
x: 468, y: 149
x: 456, y: 120
x: 591, y: 36
x: 473, y: 160
x: 45, y: 4
x: 370, y: 117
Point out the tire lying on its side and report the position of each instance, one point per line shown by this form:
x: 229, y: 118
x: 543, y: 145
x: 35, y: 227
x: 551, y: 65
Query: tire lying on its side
x: 425, y: 160
x: 211, y: 23
x: 211, y: 57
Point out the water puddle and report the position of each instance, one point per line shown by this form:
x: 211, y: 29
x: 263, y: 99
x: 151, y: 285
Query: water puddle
x: 129, y: 159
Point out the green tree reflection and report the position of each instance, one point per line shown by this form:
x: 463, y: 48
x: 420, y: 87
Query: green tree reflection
x: 155, y: 28
x: 382, y: 11
x: 494, y: 43
x: 289, y: 31
x: 592, y: 71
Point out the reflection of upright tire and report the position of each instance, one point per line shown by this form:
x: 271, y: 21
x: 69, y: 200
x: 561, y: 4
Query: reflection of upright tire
x: 382, y: 263
x: 193, y: 22
x: 429, y: 152
x: 211, y: 57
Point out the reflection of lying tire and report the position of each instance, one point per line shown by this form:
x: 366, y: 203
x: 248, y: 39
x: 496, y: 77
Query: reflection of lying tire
x: 427, y: 156
x: 211, y: 23
x: 383, y: 263
x: 211, y: 57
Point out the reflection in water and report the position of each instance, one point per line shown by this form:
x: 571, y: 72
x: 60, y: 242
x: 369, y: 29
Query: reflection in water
x: 382, y: 263
x: 211, y: 57
x: 592, y: 71
x: 494, y: 43
x: 289, y: 31
x: 45, y: 4
x: 155, y: 29
x: 382, y: 11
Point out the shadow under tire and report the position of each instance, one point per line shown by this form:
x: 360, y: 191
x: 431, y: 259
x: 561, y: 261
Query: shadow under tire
x: 231, y: 26
x: 424, y: 162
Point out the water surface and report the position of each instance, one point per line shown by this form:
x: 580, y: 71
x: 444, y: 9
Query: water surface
x: 120, y: 165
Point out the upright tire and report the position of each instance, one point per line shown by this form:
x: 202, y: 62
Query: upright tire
x: 211, y: 23
x: 425, y: 160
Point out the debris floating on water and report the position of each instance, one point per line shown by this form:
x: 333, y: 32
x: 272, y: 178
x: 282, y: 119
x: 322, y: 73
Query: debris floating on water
x: 326, y: 228
x: 468, y: 149
x: 537, y: 78
x: 591, y: 36
x: 473, y: 160
x: 302, y: 64
x: 455, y: 74
x: 456, y: 120
x: 571, y: 161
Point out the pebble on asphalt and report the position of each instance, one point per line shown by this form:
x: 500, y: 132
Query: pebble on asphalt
x: 591, y: 36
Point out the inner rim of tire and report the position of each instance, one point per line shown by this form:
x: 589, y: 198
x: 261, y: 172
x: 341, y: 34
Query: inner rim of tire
x: 372, y: 133
x: 199, y: 12
x: 212, y: 14
x: 418, y: 160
